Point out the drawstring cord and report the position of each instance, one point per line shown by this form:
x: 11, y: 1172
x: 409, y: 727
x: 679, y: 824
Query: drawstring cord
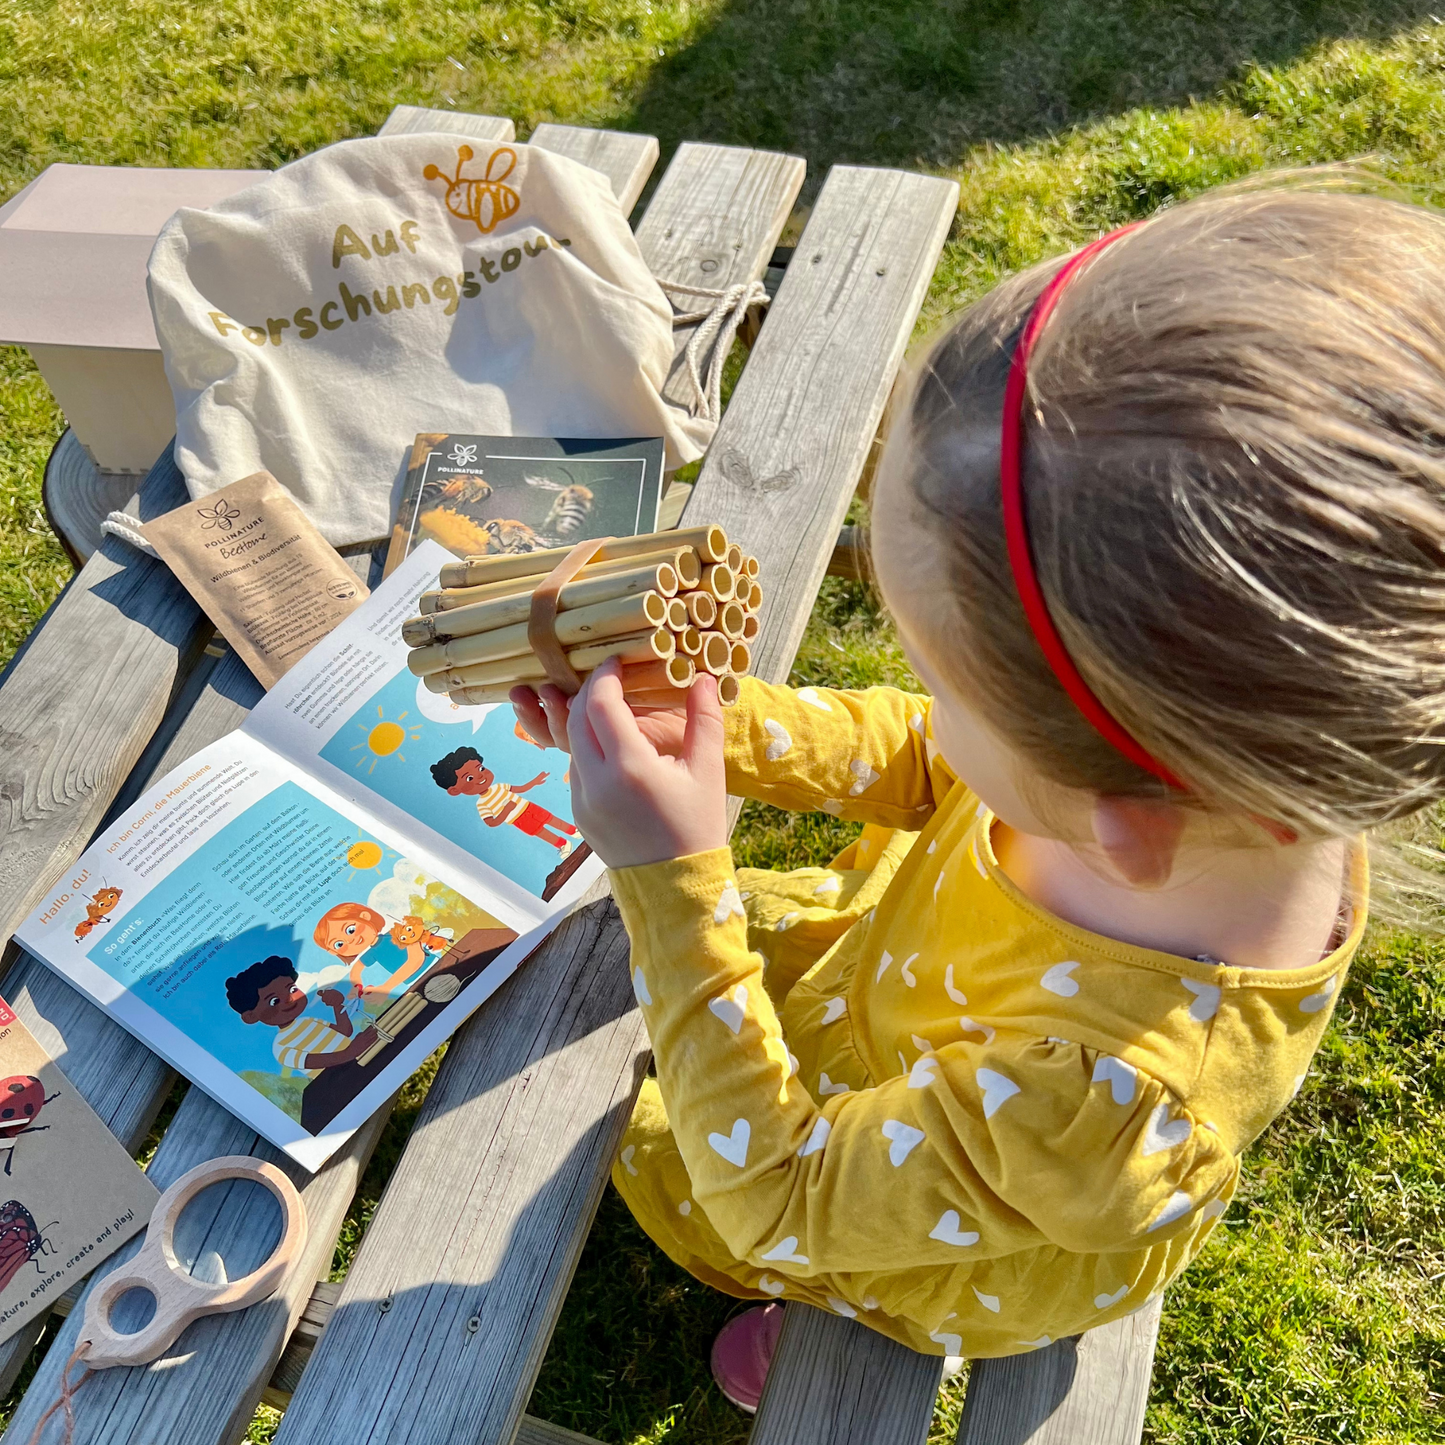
x: 124, y: 526
x: 717, y: 327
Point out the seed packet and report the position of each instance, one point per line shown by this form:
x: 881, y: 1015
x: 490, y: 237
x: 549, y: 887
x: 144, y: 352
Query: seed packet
x: 266, y: 577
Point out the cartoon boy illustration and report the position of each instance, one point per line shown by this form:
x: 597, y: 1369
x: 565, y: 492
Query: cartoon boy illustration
x: 462, y: 773
x: 266, y: 993
x: 347, y: 931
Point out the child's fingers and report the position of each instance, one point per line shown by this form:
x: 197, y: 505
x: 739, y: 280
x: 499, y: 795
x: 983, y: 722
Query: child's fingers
x: 581, y: 740
x: 612, y: 721
x: 556, y: 708
x: 528, y: 707
x: 703, y: 738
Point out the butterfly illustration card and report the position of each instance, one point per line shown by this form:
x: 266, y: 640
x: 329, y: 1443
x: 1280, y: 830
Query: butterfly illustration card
x: 479, y: 495
x: 70, y: 1194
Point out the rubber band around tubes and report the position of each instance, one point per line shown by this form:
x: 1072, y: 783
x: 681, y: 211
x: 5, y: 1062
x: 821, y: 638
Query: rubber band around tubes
x: 179, y: 1297
x: 542, y: 621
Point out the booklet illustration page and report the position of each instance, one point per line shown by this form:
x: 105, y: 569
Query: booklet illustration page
x: 284, y: 931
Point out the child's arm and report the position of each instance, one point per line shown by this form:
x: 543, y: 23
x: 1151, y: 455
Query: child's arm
x: 861, y: 755
x: 979, y: 1150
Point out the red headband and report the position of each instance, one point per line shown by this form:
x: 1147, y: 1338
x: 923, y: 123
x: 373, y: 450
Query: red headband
x: 1020, y: 554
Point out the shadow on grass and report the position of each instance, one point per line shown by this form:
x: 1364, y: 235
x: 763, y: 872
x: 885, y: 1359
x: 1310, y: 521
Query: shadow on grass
x: 919, y: 82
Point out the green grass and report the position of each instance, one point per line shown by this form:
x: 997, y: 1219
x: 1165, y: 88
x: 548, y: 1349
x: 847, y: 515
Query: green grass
x: 1316, y: 1313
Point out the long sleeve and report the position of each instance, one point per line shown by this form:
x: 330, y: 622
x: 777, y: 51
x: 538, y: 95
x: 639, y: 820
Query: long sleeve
x: 861, y: 755
x: 981, y: 1149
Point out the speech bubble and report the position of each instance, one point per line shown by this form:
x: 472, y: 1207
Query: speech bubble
x: 437, y: 707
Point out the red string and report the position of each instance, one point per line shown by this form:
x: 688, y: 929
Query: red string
x: 1020, y: 552
x: 67, y: 1394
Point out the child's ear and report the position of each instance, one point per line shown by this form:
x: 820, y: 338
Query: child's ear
x: 1139, y: 837
x: 251, y: 1016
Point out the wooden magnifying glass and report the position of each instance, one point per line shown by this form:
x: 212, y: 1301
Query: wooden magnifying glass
x: 181, y: 1298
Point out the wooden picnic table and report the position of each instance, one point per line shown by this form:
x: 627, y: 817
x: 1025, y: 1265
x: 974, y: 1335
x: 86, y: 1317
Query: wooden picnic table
x: 440, y: 1327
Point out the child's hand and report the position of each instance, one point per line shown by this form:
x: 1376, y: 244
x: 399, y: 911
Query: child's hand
x: 331, y: 998
x: 664, y: 730
x: 634, y: 803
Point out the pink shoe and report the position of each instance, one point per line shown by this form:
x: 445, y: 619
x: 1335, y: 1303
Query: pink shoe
x: 743, y: 1351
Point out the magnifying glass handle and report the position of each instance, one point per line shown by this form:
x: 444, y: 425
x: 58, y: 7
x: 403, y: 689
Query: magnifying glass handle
x: 179, y: 1297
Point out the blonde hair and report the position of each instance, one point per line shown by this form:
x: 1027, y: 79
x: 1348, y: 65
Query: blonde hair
x: 1234, y: 471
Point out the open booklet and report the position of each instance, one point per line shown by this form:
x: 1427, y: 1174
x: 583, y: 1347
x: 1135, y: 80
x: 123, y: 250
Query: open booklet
x: 298, y: 914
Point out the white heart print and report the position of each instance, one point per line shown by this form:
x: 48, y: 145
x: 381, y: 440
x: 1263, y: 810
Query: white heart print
x: 907, y: 972
x: 956, y: 994
x: 883, y: 966
x: 988, y: 1301
x: 828, y: 885
x: 827, y: 1086
x: 902, y: 1138
x: 781, y: 740
x: 626, y: 1157
x: 1214, y: 1209
x: 773, y: 1287
x: 786, y: 1250
x: 639, y: 987
x: 1057, y: 980
x: 937, y: 884
x: 922, y: 1074
x: 863, y: 777
x: 1160, y: 1134
x: 832, y: 805
x: 916, y: 723
x: 733, y: 1147
x: 1108, y: 1301
x: 834, y: 1009
x: 952, y: 1344
x: 1316, y: 1001
x: 819, y: 1137
x: 810, y: 696
x: 997, y: 1089
x: 1121, y: 1077
x: 968, y: 1026
x: 685, y: 1208
x: 946, y: 1231
x: 842, y: 1307
x: 786, y: 922
x: 1178, y: 1206
x: 1206, y: 1001
x: 728, y: 904
x: 1037, y: 1344
x: 731, y: 1008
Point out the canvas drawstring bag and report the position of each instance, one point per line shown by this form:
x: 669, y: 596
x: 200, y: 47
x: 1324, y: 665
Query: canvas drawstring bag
x: 313, y: 323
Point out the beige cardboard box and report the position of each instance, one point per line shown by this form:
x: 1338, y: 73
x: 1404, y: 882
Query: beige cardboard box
x: 73, y: 249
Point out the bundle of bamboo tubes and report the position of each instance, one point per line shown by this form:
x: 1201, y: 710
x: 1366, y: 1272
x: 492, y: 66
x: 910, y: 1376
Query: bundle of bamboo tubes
x: 667, y: 605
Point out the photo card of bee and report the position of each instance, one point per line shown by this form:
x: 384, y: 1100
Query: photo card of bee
x: 478, y: 495
x: 70, y: 1194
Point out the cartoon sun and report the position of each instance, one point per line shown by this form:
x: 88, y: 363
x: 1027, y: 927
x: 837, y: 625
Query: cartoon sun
x: 361, y: 856
x: 383, y: 738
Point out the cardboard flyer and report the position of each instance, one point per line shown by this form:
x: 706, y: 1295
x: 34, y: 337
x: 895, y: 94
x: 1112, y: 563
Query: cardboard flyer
x: 69, y: 1193
x: 478, y: 495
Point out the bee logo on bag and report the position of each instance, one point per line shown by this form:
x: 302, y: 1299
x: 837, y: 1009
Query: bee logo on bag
x: 484, y: 200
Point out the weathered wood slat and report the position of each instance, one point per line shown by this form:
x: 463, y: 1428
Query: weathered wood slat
x: 1092, y: 1390
x: 206, y: 1387
x: 77, y: 496
x: 475, y: 1241
x: 840, y: 1384
x: 626, y: 160
x: 803, y: 416
x: 416, y: 119
x: 82, y: 699
x: 715, y: 210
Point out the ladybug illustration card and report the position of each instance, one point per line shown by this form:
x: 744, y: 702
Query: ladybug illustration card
x: 70, y: 1194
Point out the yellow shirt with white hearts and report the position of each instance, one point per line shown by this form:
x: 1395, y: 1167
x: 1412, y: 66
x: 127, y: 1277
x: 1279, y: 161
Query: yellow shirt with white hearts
x: 997, y: 1129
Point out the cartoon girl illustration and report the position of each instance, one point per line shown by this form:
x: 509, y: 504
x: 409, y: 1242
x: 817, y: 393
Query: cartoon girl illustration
x: 347, y: 931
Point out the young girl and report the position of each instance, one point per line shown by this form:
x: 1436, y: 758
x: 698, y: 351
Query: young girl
x: 1162, y: 530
